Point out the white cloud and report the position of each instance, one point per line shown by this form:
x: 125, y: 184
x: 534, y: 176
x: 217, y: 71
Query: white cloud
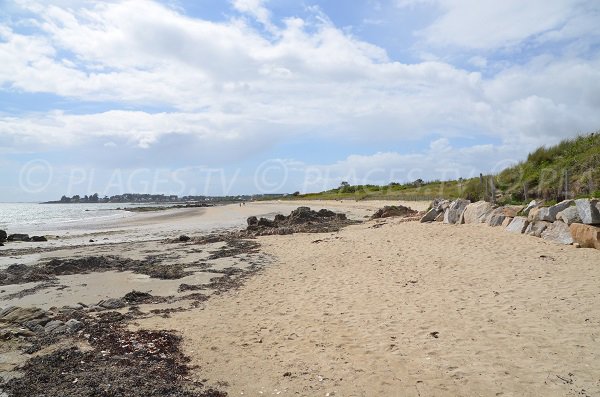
x: 256, y: 9
x: 229, y: 84
x: 488, y: 24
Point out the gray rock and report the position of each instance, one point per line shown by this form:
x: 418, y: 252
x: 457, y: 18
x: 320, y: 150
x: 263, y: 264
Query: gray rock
x: 455, y: 210
x: 55, y: 326
x: 548, y: 214
x: 73, y: 325
x: 569, y: 215
x: 555, y: 209
x: 476, y: 212
x: 440, y: 217
x: 536, y: 228
x: 70, y: 308
x: 3, y: 236
x: 439, y: 204
x: 558, y: 232
x: 495, y: 220
x: 506, y: 221
x: 518, y: 225
x: 588, y: 211
x: 112, y: 303
x: 532, y: 204
x: 39, y: 238
x: 430, y: 215
x: 21, y: 315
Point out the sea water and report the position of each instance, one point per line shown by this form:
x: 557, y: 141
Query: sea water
x: 31, y: 217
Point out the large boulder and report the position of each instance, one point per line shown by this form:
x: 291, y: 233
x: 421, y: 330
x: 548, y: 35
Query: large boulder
x: 430, y: 215
x: 534, y: 214
x: 497, y: 216
x: 588, y: 211
x: 558, y: 232
x: 587, y: 236
x: 3, y: 236
x: 537, y: 228
x: 569, y: 215
x: 455, y: 210
x: 518, y: 225
x: 548, y: 214
x: 476, y: 212
x: 555, y: 209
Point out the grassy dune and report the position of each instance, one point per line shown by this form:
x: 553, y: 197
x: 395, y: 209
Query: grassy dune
x: 541, y: 175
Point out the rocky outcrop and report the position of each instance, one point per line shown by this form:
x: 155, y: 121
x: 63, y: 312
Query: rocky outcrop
x: 537, y: 228
x: 453, y: 213
x: 506, y: 221
x: 588, y: 211
x: 518, y: 225
x: 476, y: 212
x: 394, y: 210
x: 569, y: 215
x: 588, y: 236
x: 558, y: 232
x: 3, y: 236
x: 39, y: 238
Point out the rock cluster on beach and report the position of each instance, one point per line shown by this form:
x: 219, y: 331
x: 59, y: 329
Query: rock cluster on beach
x: 300, y: 220
x: 4, y: 237
x: 567, y: 222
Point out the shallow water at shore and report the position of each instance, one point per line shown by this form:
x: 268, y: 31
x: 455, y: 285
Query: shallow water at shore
x: 29, y: 217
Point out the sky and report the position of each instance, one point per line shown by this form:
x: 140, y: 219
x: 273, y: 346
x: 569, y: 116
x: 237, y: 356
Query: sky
x: 224, y: 97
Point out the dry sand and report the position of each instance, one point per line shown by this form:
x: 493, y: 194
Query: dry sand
x: 405, y: 309
x: 384, y: 308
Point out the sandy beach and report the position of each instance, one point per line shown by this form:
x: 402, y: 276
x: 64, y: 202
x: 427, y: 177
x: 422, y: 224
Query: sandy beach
x: 383, y: 307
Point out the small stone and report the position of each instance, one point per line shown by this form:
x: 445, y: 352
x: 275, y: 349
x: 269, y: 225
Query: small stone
x: 73, y: 325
